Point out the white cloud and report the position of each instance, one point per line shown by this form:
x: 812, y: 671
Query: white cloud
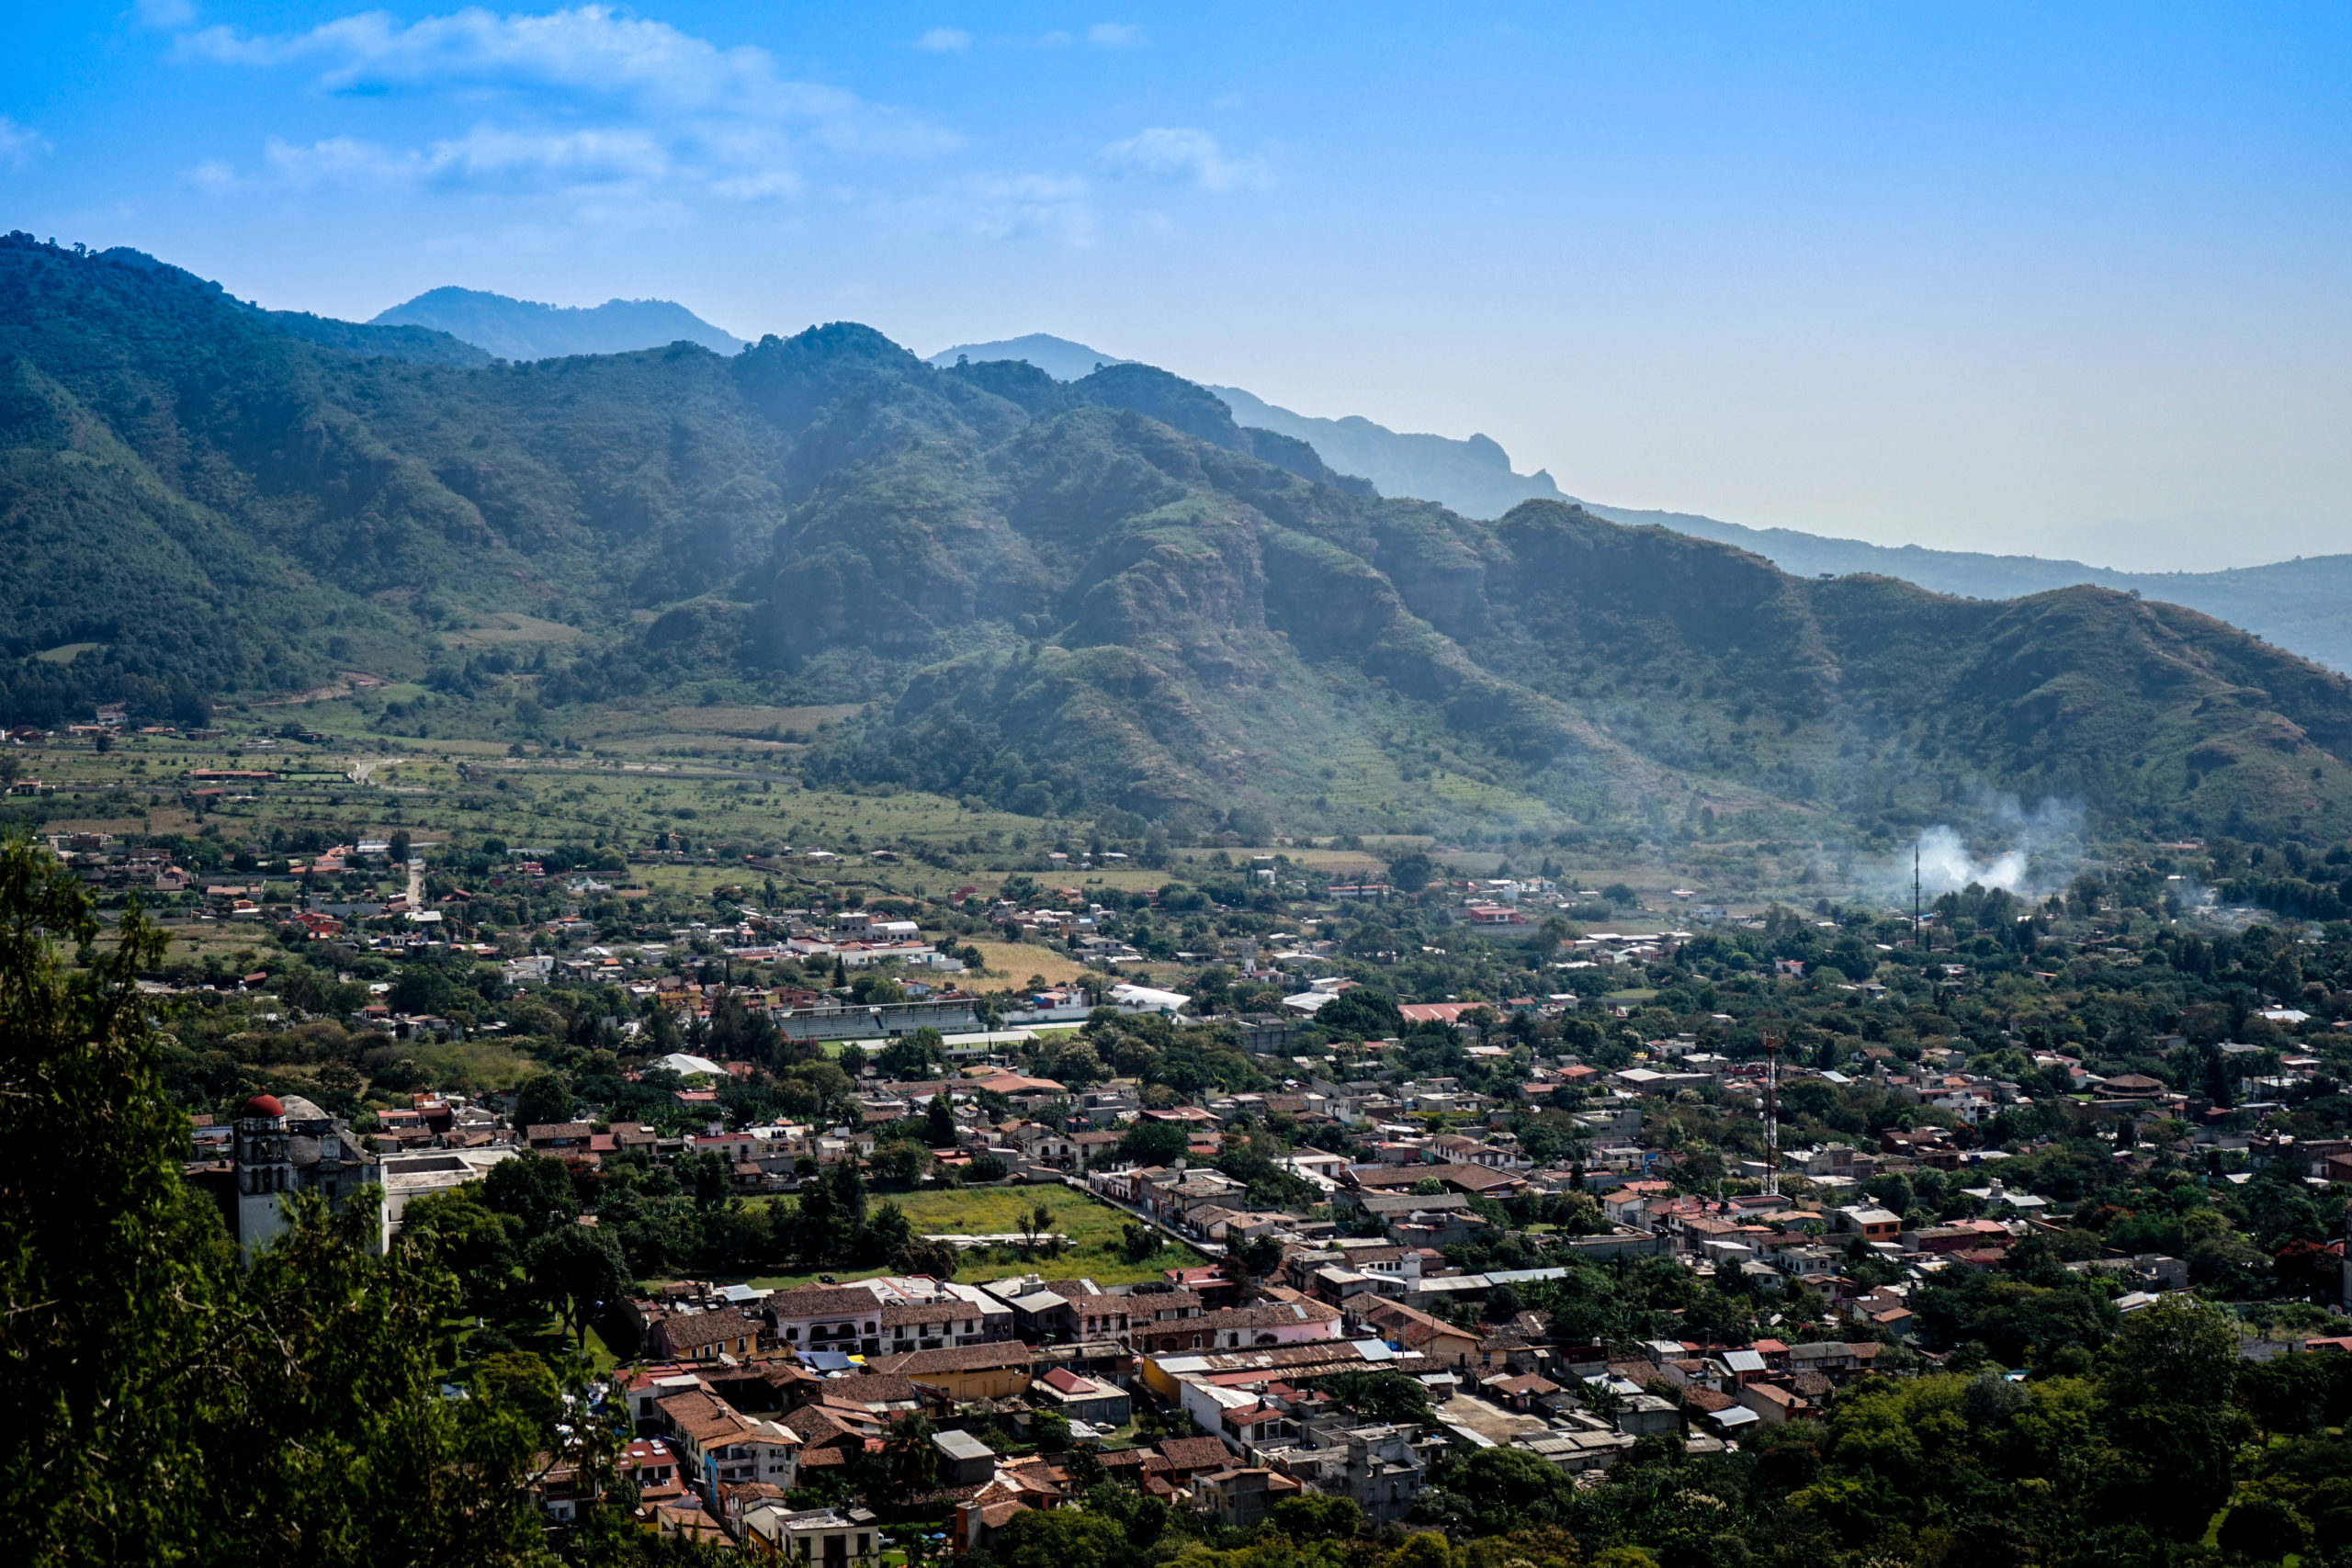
x: 337, y: 161
x: 1115, y: 35
x: 753, y: 187
x: 19, y: 144
x: 586, y: 49
x: 606, y: 111
x: 1003, y: 207
x: 944, y: 40
x: 1181, y: 153
x: 666, y: 106
x: 213, y: 178
x: 167, y: 12
x: 488, y: 156
x: 493, y: 155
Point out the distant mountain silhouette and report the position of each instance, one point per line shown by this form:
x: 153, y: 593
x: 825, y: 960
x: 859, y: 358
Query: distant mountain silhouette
x: 1057, y: 357
x: 1473, y: 477
x: 2298, y: 604
x: 522, y: 329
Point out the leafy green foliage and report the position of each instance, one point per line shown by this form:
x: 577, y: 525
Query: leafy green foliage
x: 317, y: 1423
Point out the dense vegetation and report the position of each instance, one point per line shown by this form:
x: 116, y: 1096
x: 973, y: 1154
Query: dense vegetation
x: 166, y: 1403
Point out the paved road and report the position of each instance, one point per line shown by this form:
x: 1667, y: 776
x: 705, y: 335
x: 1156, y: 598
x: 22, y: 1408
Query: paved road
x: 1211, y: 1248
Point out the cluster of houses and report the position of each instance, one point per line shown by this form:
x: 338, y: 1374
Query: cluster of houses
x: 742, y: 1396
x: 747, y: 1391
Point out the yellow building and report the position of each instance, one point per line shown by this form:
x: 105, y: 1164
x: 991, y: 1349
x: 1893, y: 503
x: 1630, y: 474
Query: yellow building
x: 965, y: 1371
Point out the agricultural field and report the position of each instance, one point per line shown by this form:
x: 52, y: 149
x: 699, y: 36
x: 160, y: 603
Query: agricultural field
x: 1017, y: 961
x: 1094, y: 1228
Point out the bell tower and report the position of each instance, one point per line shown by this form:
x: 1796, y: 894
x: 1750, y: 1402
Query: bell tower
x: 264, y: 1171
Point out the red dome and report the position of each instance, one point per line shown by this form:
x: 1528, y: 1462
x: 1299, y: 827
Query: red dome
x: 263, y: 1105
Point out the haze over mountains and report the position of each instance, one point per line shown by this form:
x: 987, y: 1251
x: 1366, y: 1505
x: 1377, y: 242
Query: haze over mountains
x: 2305, y: 605
x: 520, y: 329
x: 1068, y: 597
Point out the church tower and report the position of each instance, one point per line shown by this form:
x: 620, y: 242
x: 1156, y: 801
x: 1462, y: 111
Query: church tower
x: 264, y: 1171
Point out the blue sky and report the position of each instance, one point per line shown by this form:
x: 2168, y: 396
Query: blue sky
x: 2067, y: 281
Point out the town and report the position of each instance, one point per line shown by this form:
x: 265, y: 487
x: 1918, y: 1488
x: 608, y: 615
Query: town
x: 1423, y: 1199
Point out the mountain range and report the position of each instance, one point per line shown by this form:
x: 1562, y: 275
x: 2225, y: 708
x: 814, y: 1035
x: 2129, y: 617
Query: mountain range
x: 2299, y: 604
x: 2304, y: 604
x: 1473, y: 477
x: 1077, y: 597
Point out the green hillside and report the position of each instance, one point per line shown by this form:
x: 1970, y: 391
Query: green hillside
x: 1072, y: 598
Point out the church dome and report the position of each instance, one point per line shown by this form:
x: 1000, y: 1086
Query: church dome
x: 261, y: 1105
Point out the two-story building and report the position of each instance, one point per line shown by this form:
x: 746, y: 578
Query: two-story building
x: 718, y: 1444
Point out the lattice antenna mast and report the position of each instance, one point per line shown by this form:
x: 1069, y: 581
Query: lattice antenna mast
x: 1771, y: 1117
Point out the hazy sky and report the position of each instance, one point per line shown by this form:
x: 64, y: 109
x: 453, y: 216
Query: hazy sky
x: 2067, y: 280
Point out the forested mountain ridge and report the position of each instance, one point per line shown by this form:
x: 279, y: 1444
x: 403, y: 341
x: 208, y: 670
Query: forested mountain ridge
x: 2300, y: 605
x: 1060, y: 596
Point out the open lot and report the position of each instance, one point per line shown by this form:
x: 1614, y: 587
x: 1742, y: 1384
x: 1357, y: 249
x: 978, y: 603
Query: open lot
x: 1017, y: 961
x: 1094, y: 1230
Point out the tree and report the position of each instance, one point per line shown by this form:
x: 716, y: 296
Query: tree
x: 545, y: 1099
x: 1506, y: 1488
x: 1061, y: 1538
x: 1260, y: 1256
x: 903, y: 1162
x: 1382, y: 1398
x: 1069, y: 1061
x: 1311, y: 1517
x: 908, y: 1466
x: 524, y: 1382
x: 990, y: 1168
x: 918, y: 1255
x: 534, y: 1188
x: 2263, y: 1529
x: 2167, y: 1396
x: 576, y: 1271
x: 172, y: 1402
x: 939, y: 1121
x: 914, y: 1055
x: 400, y: 844
x: 1361, y: 1013
x: 468, y: 1237
x: 741, y: 1032
x: 1154, y: 1143
x: 1410, y: 872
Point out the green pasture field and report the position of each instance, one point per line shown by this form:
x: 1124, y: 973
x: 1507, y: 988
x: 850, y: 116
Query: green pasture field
x: 506, y: 628
x: 699, y: 772
x: 1094, y: 1229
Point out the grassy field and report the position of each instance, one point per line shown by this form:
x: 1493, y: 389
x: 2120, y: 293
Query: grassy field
x: 706, y: 776
x: 507, y: 628
x: 1017, y: 961
x: 1094, y: 1230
